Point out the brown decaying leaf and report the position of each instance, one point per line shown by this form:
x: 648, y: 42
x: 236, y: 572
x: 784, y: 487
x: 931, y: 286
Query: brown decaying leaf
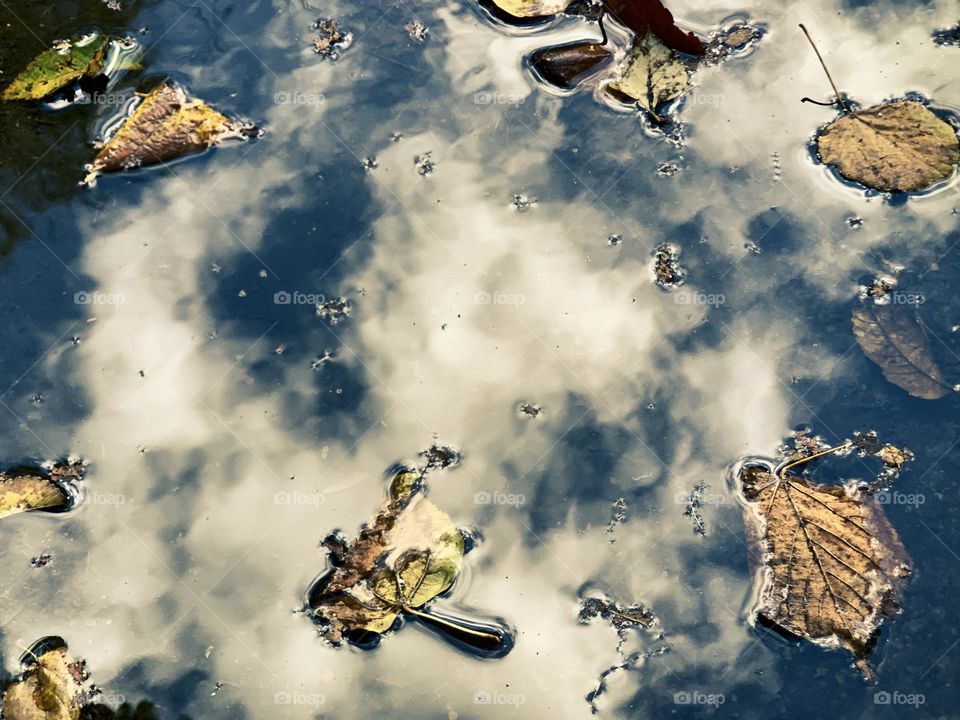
x: 531, y: 8
x: 408, y: 533
x: 36, y: 489
x: 894, y: 338
x: 166, y: 125
x: 51, y: 688
x: 897, y: 146
x: 832, y: 566
x: 567, y: 65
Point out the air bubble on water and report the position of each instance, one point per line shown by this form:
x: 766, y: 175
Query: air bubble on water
x: 777, y: 169
x: 214, y: 268
x: 242, y: 293
x: 262, y: 273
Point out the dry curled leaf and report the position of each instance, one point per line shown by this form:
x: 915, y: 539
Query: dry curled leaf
x: 29, y: 489
x: 893, y: 337
x: 651, y: 75
x: 651, y: 17
x: 408, y: 554
x: 831, y: 565
x: 897, y: 146
x: 58, y: 67
x: 567, y: 65
x: 167, y: 124
x: 51, y: 687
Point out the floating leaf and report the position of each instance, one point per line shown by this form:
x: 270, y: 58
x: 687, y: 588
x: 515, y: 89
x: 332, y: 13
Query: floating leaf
x: 894, y: 338
x: 410, y: 553
x: 51, y: 687
x: 567, y: 65
x: 26, y: 489
x: 57, y: 67
x: 646, y: 17
x: 897, y: 146
x: 166, y: 125
x: 832, y: 566
x: 652, y: 75
x: 531, y: 8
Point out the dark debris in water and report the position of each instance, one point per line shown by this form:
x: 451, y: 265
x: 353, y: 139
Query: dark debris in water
x: 950, y: 36
x: 41, y: 561
x: 440, y: 457
x: 334, y: 310
x: 622, y: 618
x: 529, y: 410
x: 330, y: 39
x: 417, y: 31
x: 522, y: 202
x: 618, y: 514
x: 668, y: 274
x: 731, y: 42
x: 425, y: 164
x: 692, y: 510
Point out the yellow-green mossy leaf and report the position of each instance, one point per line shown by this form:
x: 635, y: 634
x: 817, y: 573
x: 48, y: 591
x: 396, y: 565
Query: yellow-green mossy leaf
x: 57, y: 67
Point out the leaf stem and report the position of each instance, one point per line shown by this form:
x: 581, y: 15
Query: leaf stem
x: 824, y: 66
x: 447, y: 623
x: 781, y: 473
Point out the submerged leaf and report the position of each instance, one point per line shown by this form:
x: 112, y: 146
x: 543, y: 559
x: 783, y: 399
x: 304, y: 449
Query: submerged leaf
x: 51, y: 688
x: 166, y: 125
x: 832, y: 566
x: 897, y: 146
x: 531, y: 8
x: 36, y: 489
x: 410, y: 553
x: 57, y: 67
x: 566, y: 65
x: 652, y: 75
x: 894, y: 338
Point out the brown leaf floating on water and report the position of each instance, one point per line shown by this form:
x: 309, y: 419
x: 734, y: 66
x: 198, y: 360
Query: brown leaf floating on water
x: 51, y: 687
x: 565, y: 66
x: 167, y: 124
x: 893, y: 337
x: 831, y: 565
x: 26, y: 489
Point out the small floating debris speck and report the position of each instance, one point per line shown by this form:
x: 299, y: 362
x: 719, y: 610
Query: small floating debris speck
x: 855, y: 222
x: 334, y: 310
x: 370, y: 163
x: 522, y: 203
x: 396, y: 137
x: 321, y: 360
x: 530, y: 410
x: 879, y: 289
x: 330, y: 39
x: 417, y: 31
x: 692, y: 509
x: 424, y: 164
x: 441, y: 456
x: 668, y: 170
x: 41, y: 561
x: 614, y: 240
x: 617, y: 515
x: 215, y: 269
x: 666, y: 266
